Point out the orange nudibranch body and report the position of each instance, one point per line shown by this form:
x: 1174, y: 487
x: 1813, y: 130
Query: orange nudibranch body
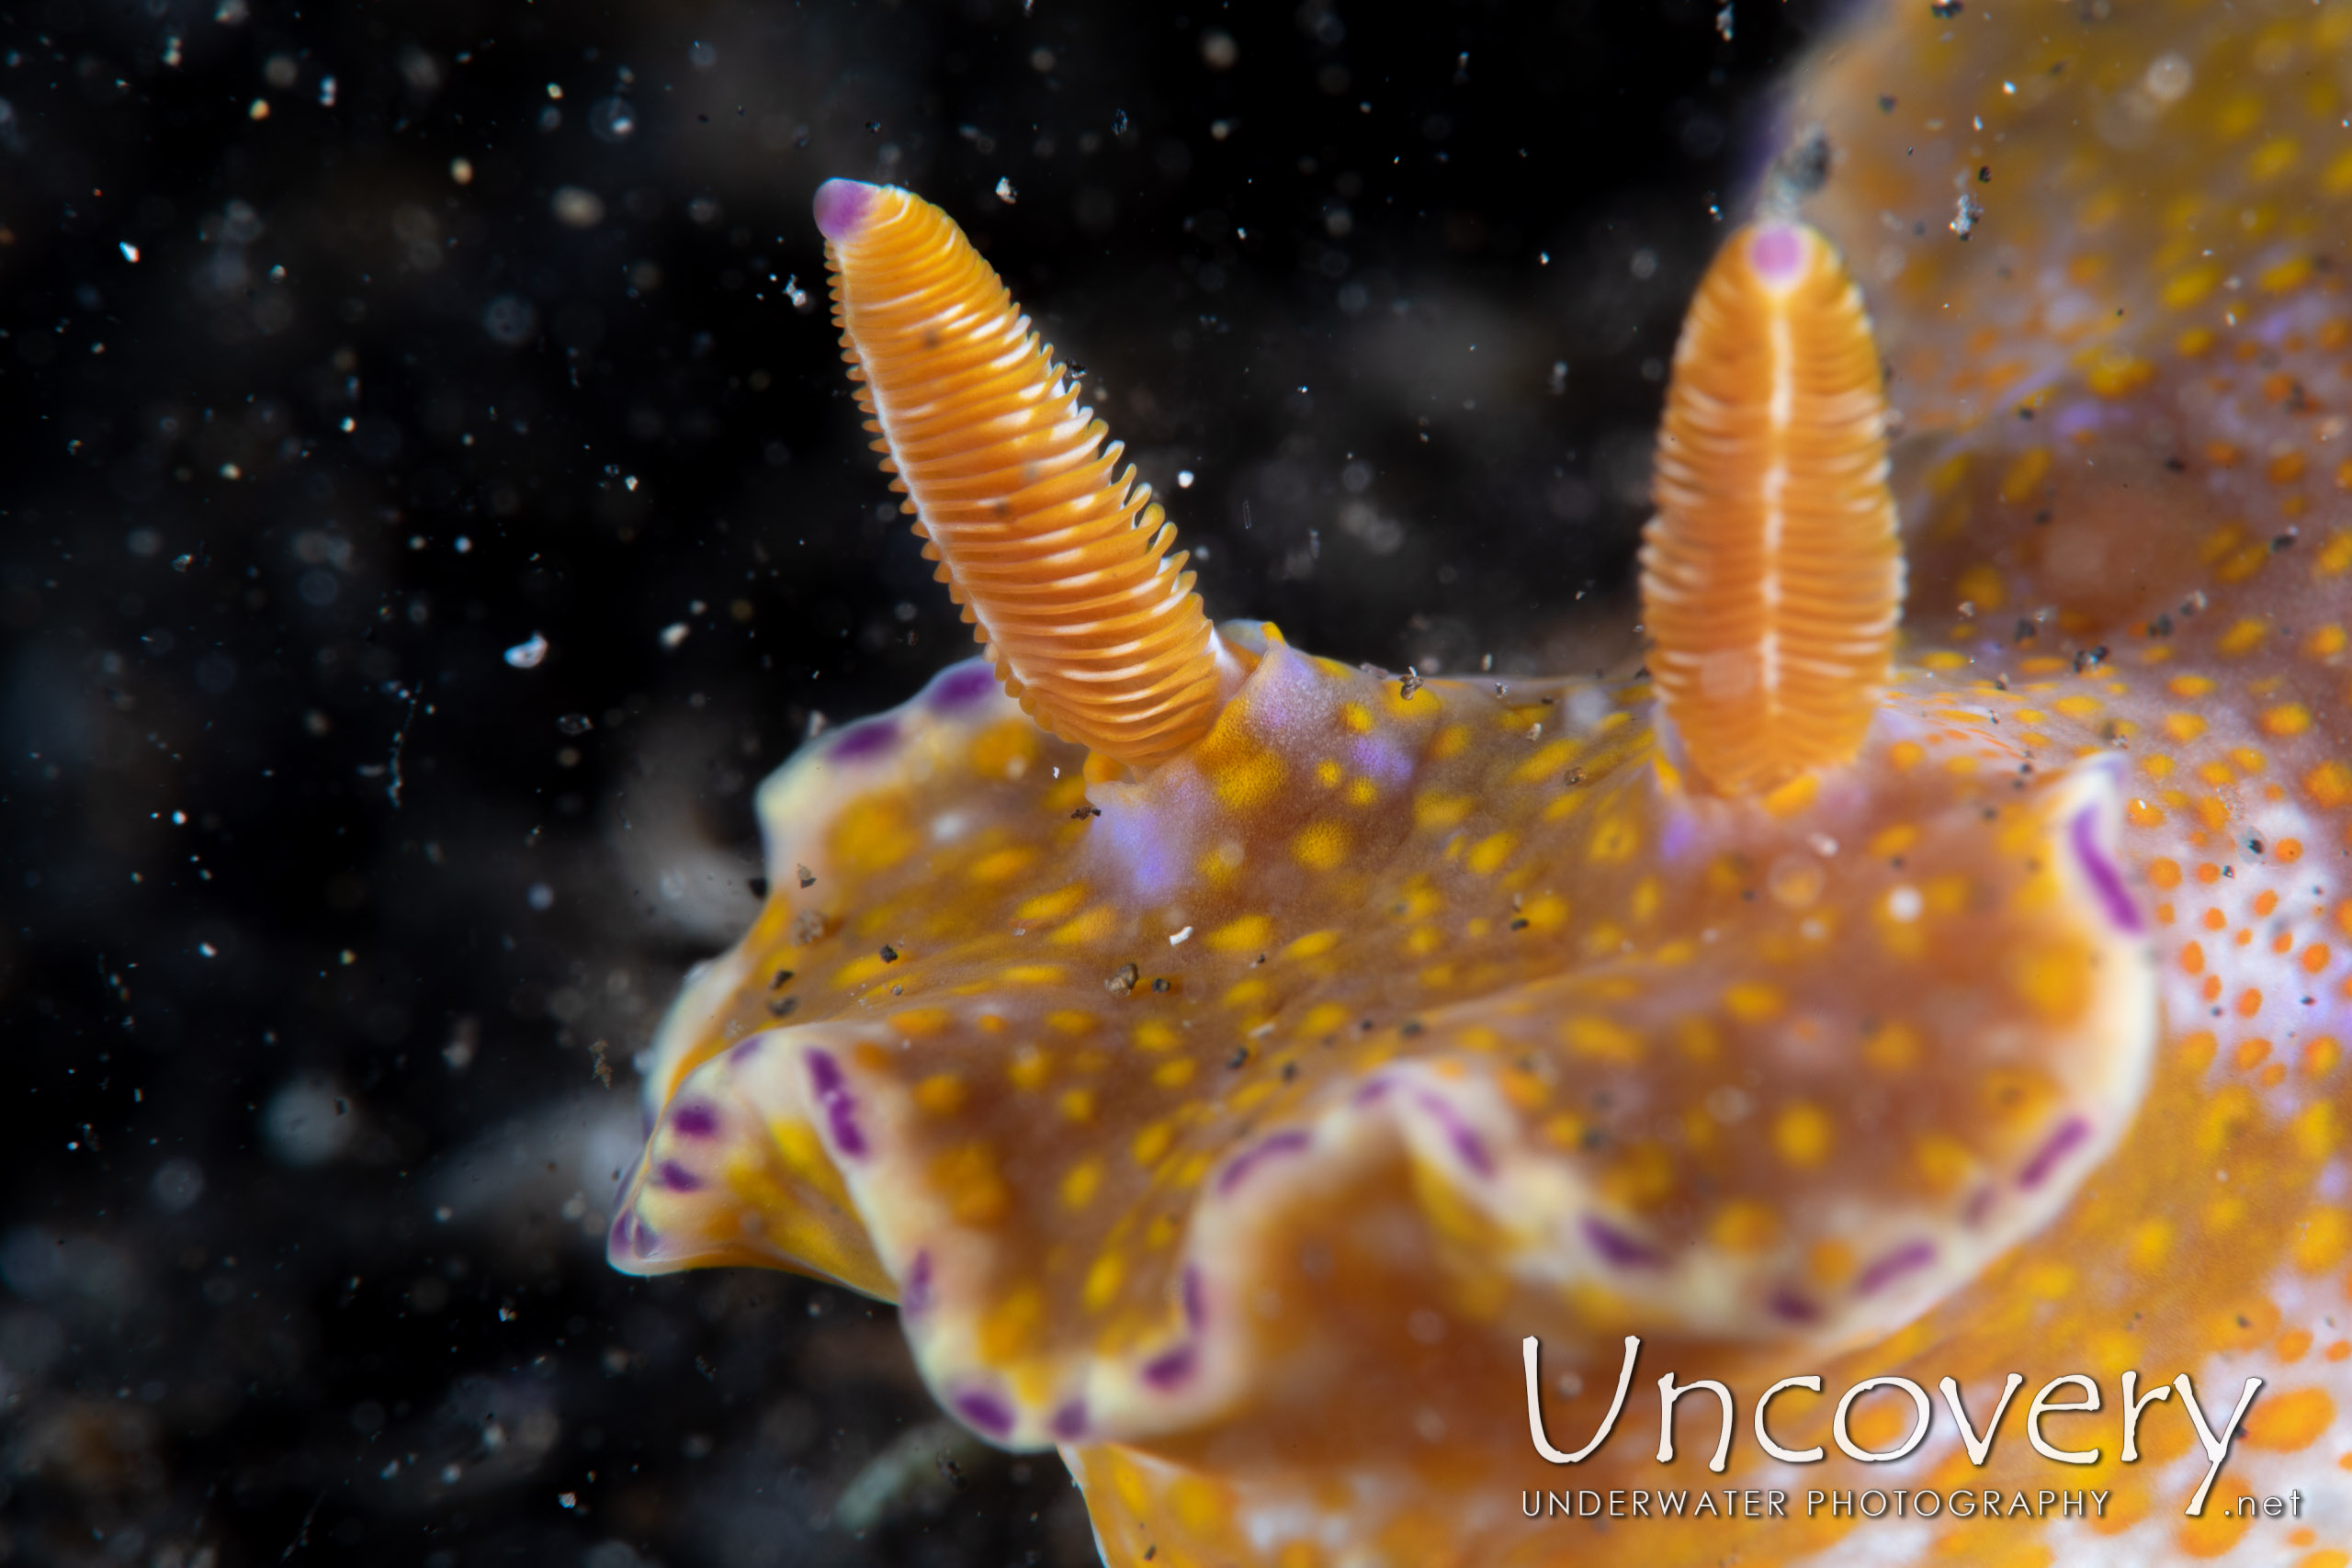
x: 1772, y: 578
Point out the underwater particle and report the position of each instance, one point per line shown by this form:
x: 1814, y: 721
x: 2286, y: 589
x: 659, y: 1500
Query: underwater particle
x: 576, y: 724
x: 613, y: 120
x: 1121, y: 982
x: 177, y: 1185
x: 510, y: 320
x: 1219, y: 52
x: 808, y: 879
x: 526, y: 654
x: 306, y: 1123
x: 674, y: 635
x: 576, y: 207
x: 540, y: 896
x: 1004, y: 191
x: 1967, y: 211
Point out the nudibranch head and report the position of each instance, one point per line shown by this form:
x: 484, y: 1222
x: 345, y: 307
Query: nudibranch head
x: 1218, y: 1050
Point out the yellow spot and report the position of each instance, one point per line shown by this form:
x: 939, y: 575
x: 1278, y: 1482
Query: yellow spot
x: 2242, y: 638
x: 1152, y: 1035
x: 968, y: 1178
x: 1320, y: 846
x: 1314, y: 944
x: 2273, y: 158
x: 1152, y: 1142
x: 1103, y: 1281
x: 2184, y: 727
x: 1077, y: 1105
x: 2287, y: 719
x: 1802, y: 1135
x: 1033, y: 974
x: 1905, y: 755
x: 1615, y: 840
x: 1602, y: 1039
x: 1249, y: 933
x: 2113, y: 374
x: 1488, y: 855
x: 1010, y: 1326
x: 1005, y: 750
x: 1087, y: 929
x: 1029, y: 1068
x: 2329, y: 785
x: 2186, y: 288
x: 2053, y: 979
x: 1788, y: 799
x: 1356, y: 717
x: 1895, y: 1047
x: 2325, y: 643
x: 1981, y: 585
x: 2151, y: 1245
x: 1744, y: 1226
x: 1249, y: 779
x: 1083, y: 1181
x: 1002, y: 865
x: 1173, y: 1074
x: 1329, y: 774
x: 1054, y: 906
x: 1435, y: 811
x: 941, y: 1094
x: 2325, y: 1240
x: 2023, y: 481
x: 1449, y: 742
x: 1753, y: 1002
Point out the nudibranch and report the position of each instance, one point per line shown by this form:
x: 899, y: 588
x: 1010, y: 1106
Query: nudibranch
x: 1229, y: 1058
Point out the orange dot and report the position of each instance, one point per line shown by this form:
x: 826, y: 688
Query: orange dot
x: 2212, y: 989
x: 2287, y: 1422
x: 2264, y: 901
x: 2294, y: 1344
x: 2287, y: 851
x: 2209, y: 873
x: 2249, y: 1003
x: 2192, y: 959
x: 2321, y: 1055
x: 2164, y: 873
x: 2340, y: 1351
x: 2315, y: 958
x: 2251, y: 1052
x: 2144, y: 815
x: 2214, y: 920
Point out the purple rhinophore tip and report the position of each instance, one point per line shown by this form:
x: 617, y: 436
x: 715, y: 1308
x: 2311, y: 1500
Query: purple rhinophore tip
x: 676, y: 1178
x: 1070, y: 1421
x: 842, y: 206
x: 695, y: 1120
x: 1777, y: 252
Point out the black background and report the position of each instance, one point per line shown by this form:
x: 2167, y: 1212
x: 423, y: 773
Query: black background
x: 322, y: 915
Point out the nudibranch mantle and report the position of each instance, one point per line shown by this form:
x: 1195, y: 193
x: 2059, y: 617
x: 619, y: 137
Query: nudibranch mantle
x: 1476, y: 939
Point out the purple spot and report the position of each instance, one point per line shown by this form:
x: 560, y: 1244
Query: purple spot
x: 1894, y: 1265
x: 841, y: 1111
x: 1777, y: 252
x: 2076, y: 418
x: 1289, y: 1141
x: 696, y: 1120
x: 1070, y: 1421
x: 2104, y: 878
x: 746, y: 1051
x: 676, y: 1178
x: 986, y: 1412
x: 1193, y: 1311
x: 1165, y: 1371
x: 2062, y: 1142
x: 1373, y: 1092
x: 916, y: 1297
x: 842, y: 205
x: 1464, y: 1138
x: 1790, y: 1307
x: 862, y: 741
x: 632, y: 1237
x: 964, y: 684
x: 1615, y: 1246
